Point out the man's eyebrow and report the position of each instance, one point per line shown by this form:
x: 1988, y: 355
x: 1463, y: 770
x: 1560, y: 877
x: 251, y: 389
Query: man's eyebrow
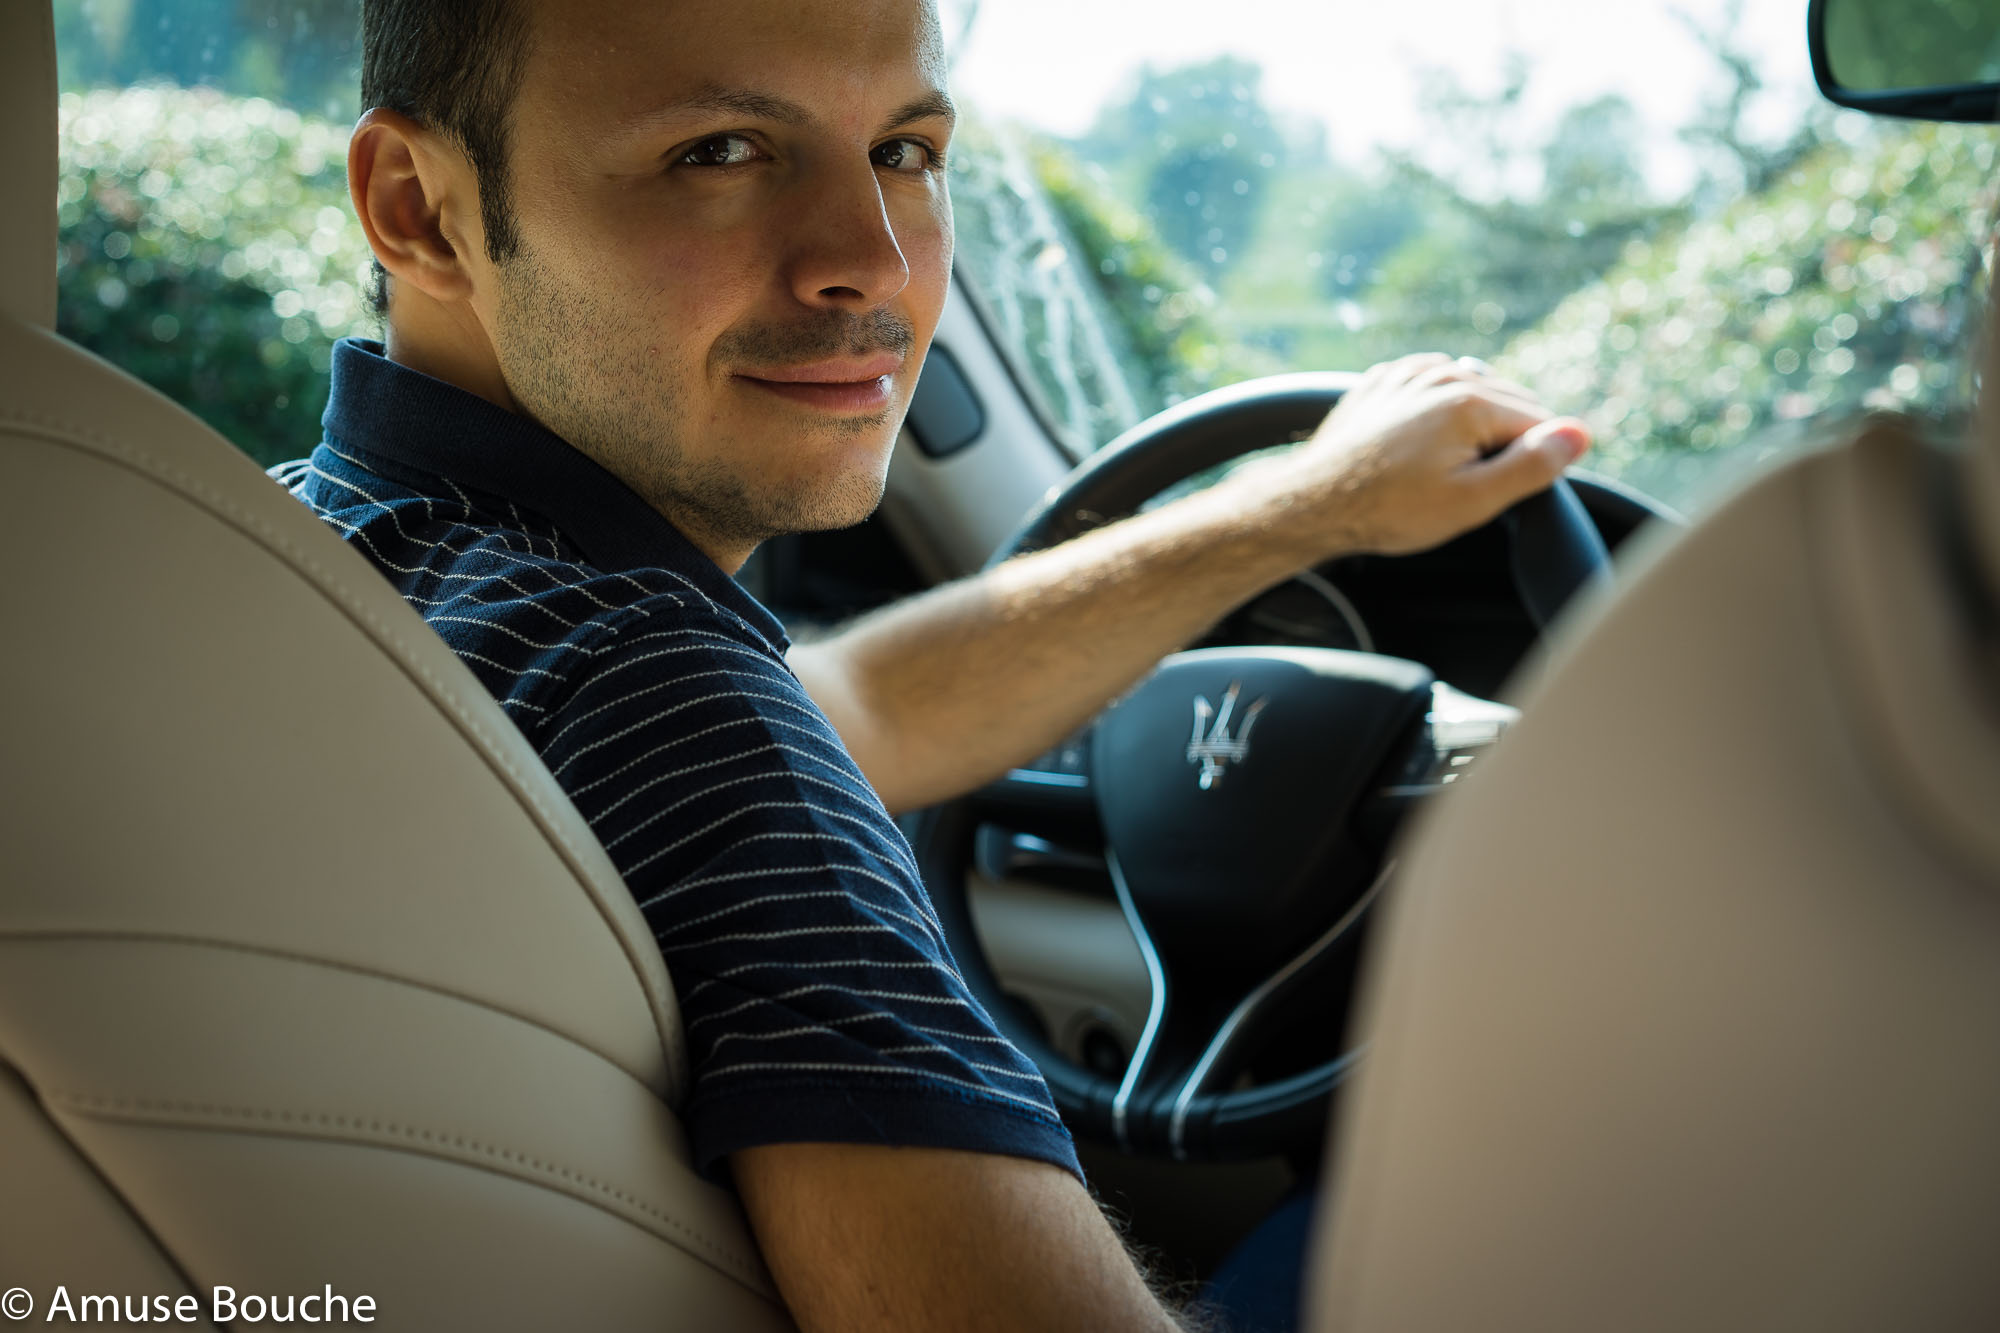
x: 933, y: 104
x: 715, y: 98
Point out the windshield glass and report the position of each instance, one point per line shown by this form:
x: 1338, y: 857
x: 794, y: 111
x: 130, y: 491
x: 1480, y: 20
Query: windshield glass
x: 1644, y: 211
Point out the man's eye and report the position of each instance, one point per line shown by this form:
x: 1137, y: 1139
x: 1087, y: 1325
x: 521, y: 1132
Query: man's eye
x: 905, y: 155
x: 724, y: 150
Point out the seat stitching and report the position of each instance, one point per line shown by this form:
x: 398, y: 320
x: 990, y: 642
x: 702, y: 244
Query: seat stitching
x: 67, y: 434
x: 292, y: 1123
x: 168, y: 1254
x: 359, y: 969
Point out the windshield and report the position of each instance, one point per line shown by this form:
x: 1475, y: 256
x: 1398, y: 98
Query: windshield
x: 1643, y: 211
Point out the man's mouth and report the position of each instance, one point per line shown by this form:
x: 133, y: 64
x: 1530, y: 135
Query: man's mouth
x: 839, y: 384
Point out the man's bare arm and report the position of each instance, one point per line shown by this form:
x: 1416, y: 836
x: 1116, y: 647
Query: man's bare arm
x: 944, y: 691
x: 863, y: 1237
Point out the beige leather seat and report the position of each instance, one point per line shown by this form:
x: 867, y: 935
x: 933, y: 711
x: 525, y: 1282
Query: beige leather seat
x: 1687, y: 1014
x: 309, y: 974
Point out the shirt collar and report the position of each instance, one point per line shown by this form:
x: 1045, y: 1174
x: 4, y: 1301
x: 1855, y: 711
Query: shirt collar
x: 403, y: 416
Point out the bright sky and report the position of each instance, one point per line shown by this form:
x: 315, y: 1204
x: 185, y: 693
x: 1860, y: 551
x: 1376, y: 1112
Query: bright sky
x: 1349, y: 62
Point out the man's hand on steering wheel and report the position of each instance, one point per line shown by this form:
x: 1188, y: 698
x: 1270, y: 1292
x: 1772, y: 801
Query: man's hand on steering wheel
x: 1419, y: 450
x: 939, y: 694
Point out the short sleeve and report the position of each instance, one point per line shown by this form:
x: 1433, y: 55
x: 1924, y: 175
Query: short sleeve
x: 819, y: 996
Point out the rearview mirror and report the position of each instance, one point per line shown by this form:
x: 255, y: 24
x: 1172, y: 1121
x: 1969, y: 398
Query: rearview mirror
x: 1933, y: 59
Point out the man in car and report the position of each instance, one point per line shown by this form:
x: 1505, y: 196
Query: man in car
x: 659, y: 283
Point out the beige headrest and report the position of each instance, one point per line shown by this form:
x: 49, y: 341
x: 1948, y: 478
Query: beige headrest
x: 28, y: 162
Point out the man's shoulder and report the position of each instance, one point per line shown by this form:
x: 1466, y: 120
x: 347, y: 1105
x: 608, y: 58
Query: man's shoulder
x: 518, y: 602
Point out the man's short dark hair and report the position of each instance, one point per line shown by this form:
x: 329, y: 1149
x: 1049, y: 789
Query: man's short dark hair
x: 453, y: 66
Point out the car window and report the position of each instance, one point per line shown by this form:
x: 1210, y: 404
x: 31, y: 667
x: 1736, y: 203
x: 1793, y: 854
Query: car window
x: 1644, y: 211
x: 206, y: 241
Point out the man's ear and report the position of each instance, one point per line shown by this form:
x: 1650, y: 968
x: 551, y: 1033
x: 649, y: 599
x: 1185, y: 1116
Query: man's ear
x: 415, y: 198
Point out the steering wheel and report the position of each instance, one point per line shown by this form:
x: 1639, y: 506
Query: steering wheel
x: 1233, y: 790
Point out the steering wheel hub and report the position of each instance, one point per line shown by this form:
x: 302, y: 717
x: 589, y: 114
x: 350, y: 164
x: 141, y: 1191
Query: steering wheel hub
x: 1224, y: 783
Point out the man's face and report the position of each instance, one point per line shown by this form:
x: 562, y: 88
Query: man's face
x: 735, y: 244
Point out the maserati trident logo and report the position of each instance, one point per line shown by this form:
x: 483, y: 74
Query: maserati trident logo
x: 1217, y: 747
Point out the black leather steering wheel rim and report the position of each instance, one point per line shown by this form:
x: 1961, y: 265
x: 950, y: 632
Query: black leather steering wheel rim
x: 1555, y: 551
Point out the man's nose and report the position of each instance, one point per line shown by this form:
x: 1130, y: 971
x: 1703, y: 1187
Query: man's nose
x: 844, y: 248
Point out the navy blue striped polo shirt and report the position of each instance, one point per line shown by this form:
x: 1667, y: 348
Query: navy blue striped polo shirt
x: 820, y: 999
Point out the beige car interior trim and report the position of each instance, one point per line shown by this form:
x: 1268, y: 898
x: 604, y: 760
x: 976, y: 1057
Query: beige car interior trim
x: 952, y: 513
x: 1922, y: 704
x: 1072, y: 957
x: 28, y: 154
x: 438, y: 1246
x: 371, y: 1079
x: 81, y: 1228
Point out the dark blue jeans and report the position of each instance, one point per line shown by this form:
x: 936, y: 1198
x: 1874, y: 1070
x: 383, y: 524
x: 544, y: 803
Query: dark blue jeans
x: 1258, y: 1288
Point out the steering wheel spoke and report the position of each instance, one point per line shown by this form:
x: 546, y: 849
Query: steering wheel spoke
x: 1186, y: 1056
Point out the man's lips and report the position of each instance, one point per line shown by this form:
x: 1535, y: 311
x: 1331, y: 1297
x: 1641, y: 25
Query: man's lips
x: 834, y: 370
x: 841, y: 384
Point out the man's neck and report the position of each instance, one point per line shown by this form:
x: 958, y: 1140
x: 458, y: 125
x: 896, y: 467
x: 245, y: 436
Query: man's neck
x: 447, y: 345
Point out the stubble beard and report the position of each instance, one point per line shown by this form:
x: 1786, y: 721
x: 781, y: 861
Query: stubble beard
x: 581, y: 367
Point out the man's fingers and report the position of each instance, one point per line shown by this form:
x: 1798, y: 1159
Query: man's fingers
x: 1507, y: 386
x: 1536, y: 458
x: 1467, y: 371
x: 1406, y: 368
x: 1496, y: 416
x: 1470, y: 370
x: 1422, y: 371
x: 1385, y: 379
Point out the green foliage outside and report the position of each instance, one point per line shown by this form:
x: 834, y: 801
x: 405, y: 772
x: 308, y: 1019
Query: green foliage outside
x: 1165, y: 311
x: 1856, y: 281
x: 1480, y: 271
x: 304, y: 53
x: 1200, y: 150
x: 1815, y: 275
x: 207, y: 247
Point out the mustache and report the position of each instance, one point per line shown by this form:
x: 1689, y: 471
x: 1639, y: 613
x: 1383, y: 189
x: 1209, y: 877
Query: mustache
x: 828, y: 334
